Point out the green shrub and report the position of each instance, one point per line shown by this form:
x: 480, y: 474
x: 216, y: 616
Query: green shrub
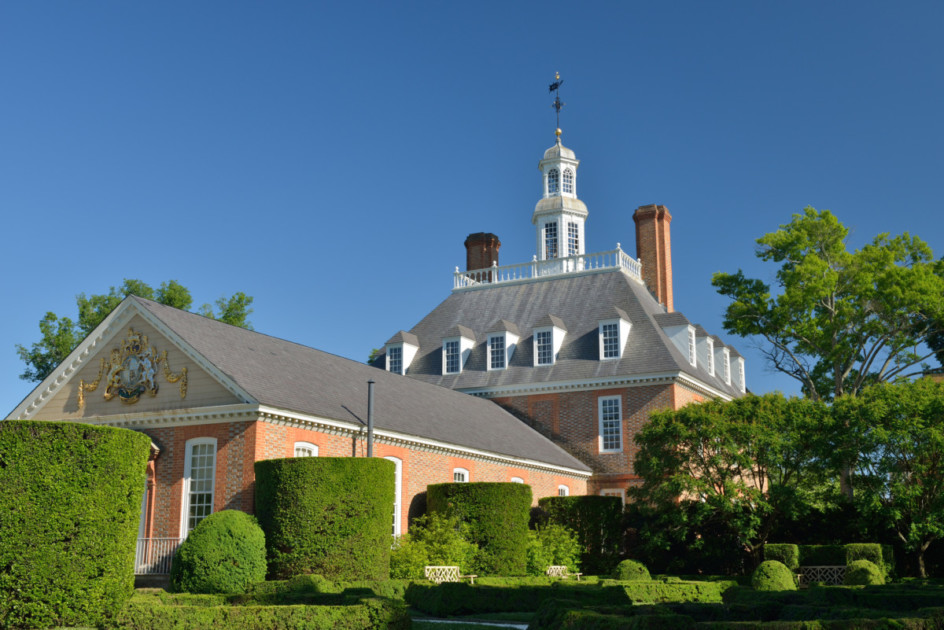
x: 596, y: 520
x: 497, y: 515
x: 631, y: 570
x: 433, y: 539
x: 864, y: 551
x: 225, y: 553
x: 70, y: 502
x: 785, y: 553
x: 326, y: 515
x: 822, y: 555
x: 863, y: 573
x: 772, y: 575
x: 552, y: 545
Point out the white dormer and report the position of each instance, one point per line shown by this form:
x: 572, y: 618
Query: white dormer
x: 400, y: 351
x: 456, y: 349
x: 500, y: 345
x: 740, y: 378
x: 681, y: 333
x: 548, y: 339
x: 559, y: 216
x: 612, y: 335
x: 705, y: 350
x: 726, y: 365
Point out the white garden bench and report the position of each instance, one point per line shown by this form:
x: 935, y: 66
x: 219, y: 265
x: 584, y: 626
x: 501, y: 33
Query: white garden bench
x: 438, y: 575
x: 561, y: 571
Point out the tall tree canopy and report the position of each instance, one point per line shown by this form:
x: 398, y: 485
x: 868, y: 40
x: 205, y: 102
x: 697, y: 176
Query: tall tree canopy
x: 841, y: 319
x: 60, y: 335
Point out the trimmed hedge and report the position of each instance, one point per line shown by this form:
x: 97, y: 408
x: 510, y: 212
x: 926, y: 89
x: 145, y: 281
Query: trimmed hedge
x: 326, y: 515
x: 772, y: 575
x: 596, y: 520
x: 863, y: 573
x: 69, y: 511
x: 497, y: 514
x: 786, y: 553
x: 225, y: 553
x: 632, y: 570
x: 820, y: 555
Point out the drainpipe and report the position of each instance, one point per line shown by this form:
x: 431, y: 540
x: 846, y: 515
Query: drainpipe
x: 370, y: 418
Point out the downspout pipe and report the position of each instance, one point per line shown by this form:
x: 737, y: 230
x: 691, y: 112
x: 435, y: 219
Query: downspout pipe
x: 370, y: 418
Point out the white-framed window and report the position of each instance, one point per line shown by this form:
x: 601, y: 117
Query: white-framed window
x: 711, y: 357
x: 553, y: 181
x: 460, y: 475
x: 609, y: 340
x: 614, y: 492
x: 742, y: 379
x: 497, y: 358
x: 568, y: 181
x: 199, y: 482
x: 550, y: 240
x: 692, y: 355
x: 611, y: 424
x: 563, y: 491
x: 306, y: 449
x: 726, y: 366
x: 573, y: 239
x: 395, y: 359
x: 398, y: 493
x: 544, y: 347
x: 451, y: 358
x: 517, y: 480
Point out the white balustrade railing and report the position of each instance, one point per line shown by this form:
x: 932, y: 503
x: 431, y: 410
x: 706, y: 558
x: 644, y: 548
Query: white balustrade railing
x: 613, y: 259
x: 154, y: 555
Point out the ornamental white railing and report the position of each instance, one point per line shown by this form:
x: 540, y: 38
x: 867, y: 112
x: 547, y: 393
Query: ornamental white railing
x: 832, y: 575
x: 154, y: 555
x: 613, y: 259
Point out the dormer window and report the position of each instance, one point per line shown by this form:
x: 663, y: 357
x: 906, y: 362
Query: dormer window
x: 456, y: 349
x: 553, y: 181
x: 711, y: 357
x: 395, y: 359
x: 496, y: 352
x: 613, y: 334
x: 692, y: 356
x: 568, y: 181
x: 400, y: 351
x: 451, y: 356
x: 544, y: 347
x: 501, y: 344
x: 726, y: 367
x: 742, y: 380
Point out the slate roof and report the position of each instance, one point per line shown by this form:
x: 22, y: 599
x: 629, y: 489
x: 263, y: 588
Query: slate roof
x: 580, y: 302
x: 293, y: 377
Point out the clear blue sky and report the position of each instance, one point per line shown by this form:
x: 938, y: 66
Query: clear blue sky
x: 329, y: 159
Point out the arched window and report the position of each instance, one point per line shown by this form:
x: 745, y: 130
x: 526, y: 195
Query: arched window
x: 517, y: 480
x: 563, y: 491
x: 553, y: 181
x: 199, y: 482
x: 398, y: 494
x: 306, y: 449
x: 460, y: 475
x: 568, y: 181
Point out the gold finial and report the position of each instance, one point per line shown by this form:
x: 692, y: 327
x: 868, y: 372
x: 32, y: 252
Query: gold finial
x: 558, y: 132
x: 557, y: 76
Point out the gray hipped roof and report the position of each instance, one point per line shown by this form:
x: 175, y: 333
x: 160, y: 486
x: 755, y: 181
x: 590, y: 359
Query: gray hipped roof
x: 292, y: 377
x: 576, y: 303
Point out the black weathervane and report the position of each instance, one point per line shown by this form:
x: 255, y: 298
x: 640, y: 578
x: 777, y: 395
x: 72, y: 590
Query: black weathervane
x: 557, y: 104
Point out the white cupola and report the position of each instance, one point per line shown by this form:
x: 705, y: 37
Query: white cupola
x: 559, y: 216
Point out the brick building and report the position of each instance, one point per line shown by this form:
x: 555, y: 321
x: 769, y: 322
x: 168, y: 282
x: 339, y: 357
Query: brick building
x: 582, y: 347
x: 216, y: 398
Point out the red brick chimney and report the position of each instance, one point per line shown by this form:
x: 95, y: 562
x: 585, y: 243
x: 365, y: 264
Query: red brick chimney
x: 654, y: 250
x: 481, y: 250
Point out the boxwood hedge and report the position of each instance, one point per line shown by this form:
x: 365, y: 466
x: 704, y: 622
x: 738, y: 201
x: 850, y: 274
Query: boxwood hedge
x: 497, y: 515
x: 70, y: 502
x: 326, y: 515
x: 596, y: 520
x: 225, y: 553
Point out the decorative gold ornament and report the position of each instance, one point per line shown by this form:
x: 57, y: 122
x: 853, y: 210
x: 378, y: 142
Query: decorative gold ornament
x: 132, y: 371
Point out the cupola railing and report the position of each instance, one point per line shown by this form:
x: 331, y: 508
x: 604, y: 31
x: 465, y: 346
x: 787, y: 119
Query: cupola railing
x: 537, y: 269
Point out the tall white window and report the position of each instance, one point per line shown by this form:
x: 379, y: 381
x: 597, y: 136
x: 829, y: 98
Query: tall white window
x: 568, y: 181
x: 610, y: 340
x: 395, y: 360
x: 563, y: 491
x: 451, y: 357
x: 460, y: 475
x: 398, y: 494
x: 199, y: 481
x: 553, y: 181
x: 691, y: 346
x: 742, y: 381
x: 544, y: 346
x: 496, y: 352
x: 573, y: 239
x: 611, y: 424
x: 711, y: 357
x: 726, y: 367
x: 550, y: 240
x: 306, y: 449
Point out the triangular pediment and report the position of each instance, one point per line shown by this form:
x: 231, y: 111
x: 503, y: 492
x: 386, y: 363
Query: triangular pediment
x: 130, y: 364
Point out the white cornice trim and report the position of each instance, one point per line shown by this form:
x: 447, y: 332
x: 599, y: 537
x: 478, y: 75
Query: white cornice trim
x: 178, y: 417
x: 664, y: 378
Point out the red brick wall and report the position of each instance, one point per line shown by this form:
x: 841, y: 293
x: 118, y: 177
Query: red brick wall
x: 654, y: 249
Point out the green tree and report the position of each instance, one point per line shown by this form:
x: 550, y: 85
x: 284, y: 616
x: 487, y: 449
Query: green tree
x: 60, y: 335
x: 721, y: 473
x: 896, y: 433
x: 842, y: 320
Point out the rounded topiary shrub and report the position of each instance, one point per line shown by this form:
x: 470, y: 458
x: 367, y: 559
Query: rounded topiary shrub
x: 225, y: 553
x: 631, y: 570
x: 863, y: 573
x: 596, y: 520
x: 70, y: 501
x: 772, y: 575
x: 497, y: 516
x: 326, y: 515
